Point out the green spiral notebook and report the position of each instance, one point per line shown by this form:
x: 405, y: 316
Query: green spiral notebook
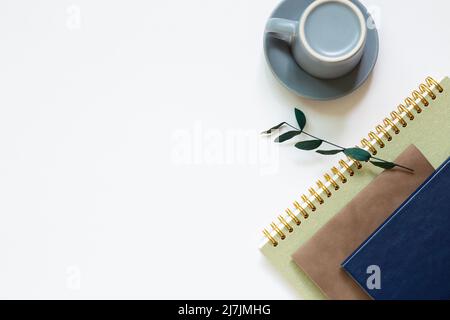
x: 423, y: 119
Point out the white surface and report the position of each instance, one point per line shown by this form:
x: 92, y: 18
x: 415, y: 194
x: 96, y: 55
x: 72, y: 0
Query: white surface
x: 96, y: 199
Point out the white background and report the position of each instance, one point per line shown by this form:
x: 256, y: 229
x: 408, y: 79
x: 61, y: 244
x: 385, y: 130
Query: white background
x: 116, y: 180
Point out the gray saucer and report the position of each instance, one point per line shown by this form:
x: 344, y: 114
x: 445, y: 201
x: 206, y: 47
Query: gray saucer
x: 288, y: 72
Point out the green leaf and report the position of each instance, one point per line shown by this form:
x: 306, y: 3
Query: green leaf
x: 274, y: 128
x: 358, y: 154
x: 329, y: 152
x: 384, y: 165
x: 287, y: 136
x: 301, y: 119
x: 309, y: 145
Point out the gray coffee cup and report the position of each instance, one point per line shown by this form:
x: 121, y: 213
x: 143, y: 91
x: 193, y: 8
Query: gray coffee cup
x: 328, y: 40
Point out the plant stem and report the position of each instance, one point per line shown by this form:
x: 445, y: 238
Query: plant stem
x: 314, y: 137
x: 330, y: 143
x: 398, y: 165
x: 340, y: 147
x: 293, y: 127
x: 378, y: 159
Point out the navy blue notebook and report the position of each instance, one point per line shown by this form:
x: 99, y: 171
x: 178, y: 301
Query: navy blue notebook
x: 408, y: 257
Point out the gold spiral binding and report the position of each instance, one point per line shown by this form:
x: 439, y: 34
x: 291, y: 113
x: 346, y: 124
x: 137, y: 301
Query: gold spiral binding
x: 412, y: 103
x: 357, y: 164
x: 433, y: 83
x: 278, y: 230
x: 316, y: 195
x: 373, y: 136
x: 301, y: 209
x: 399, y: 118
x: 293, y: 217
x: 308, y: 202
x: 403, y: 109
x: 383, y: 135
x: 368, y: 145
x: 347, y: 168
x: 382, y: 131
x: 336, y: 172
x: 271, y: 239
x: 388, y: 123
x: 324, y: 188
x: 286, y: 224
x: 426, y: 90
x: 419, y: 96
x: 331, y: 181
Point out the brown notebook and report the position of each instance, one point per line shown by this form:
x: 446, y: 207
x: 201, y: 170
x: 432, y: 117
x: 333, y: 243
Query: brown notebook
x: 322, y: 255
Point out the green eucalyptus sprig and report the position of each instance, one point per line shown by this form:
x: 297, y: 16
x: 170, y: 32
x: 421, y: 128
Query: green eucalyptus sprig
x: 309, y: 145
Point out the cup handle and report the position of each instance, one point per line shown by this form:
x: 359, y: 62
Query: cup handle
x: 282, y: 29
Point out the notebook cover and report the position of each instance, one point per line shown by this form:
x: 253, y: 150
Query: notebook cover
x: 321, y: 257
x: 411, y: 250
x: 429, y: 132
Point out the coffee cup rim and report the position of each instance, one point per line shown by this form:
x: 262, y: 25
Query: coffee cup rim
x: 311, y: 51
